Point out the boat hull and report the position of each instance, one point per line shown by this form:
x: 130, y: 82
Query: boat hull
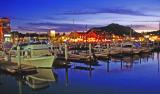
x: 39, y: 62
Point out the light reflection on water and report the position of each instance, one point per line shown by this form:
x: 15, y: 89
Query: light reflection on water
x: 129, y: 75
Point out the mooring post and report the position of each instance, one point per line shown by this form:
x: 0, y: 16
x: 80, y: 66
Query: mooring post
x: 60, y: 49
x: 132, y: 48
x: 108, y: 49
x: 90, y: 50
x: 66, y: 52
x: 9, y: 57
x: 51, y: 48
x: 19, y: 57
x: 121, y: 48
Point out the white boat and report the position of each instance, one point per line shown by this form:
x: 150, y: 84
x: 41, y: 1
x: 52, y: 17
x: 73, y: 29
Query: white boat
x: 129, y: 47
x: 35, y: 54
x: 40, y: 80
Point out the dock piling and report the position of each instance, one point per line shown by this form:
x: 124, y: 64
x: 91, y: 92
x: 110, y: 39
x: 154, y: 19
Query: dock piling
x: 121, y: 48
x: 90, y: 50
x: 66, y: 52
x: 108, y: 49
x: 19, y: 58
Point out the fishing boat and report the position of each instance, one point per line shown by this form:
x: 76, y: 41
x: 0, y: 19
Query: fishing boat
x: 41, y: 80
x: 34, y: 54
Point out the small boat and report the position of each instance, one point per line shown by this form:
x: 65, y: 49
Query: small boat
x: 35, y: 54
x: 41, y: 80
x: 127, y: 48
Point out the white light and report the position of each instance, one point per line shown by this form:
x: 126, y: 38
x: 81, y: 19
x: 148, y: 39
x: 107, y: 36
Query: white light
x: 7, y: 35
x: 52, y: 32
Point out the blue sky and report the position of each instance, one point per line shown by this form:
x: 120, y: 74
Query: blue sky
x: 42, y: 15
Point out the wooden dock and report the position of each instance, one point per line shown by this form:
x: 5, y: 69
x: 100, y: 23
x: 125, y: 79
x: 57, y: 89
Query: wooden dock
x: 13, y: 68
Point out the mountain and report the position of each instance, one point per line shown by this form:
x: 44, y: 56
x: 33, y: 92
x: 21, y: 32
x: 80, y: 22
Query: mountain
x: 115, y: 29
x: 154, y: 32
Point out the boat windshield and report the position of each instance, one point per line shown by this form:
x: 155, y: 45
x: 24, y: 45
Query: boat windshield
x: 23, y: 45
x: 15, y: 48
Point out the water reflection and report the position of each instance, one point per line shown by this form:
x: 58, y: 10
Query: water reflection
x: 125, y: 75
x: 67, y: 78
x: 40, y: 80
x: 20, y: 87
x: 124, y: 62
x: 158, y: 60
x: 0, y: 78
x: 129, y: 61
x: 84, y: 67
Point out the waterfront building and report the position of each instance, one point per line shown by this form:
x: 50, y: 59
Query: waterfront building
x: 4, y: 28
x: 90, y: 36
x: 30, y: 36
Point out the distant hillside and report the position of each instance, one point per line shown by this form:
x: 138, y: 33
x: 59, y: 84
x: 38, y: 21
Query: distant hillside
x: 115, y: 29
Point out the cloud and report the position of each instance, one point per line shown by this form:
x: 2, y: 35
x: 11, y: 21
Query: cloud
x: 60, y: 27
x: 27, y: 29
x: 143, y: 27
x: 138, y: 26
x: 123, y: 11
x: 148, y: 21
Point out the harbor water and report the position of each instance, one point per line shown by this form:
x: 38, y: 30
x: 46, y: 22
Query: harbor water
x: 129, y: 75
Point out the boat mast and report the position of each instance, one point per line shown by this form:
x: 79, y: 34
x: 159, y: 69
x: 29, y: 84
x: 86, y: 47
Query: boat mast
x: 131, y: 32
x: 73, y: 25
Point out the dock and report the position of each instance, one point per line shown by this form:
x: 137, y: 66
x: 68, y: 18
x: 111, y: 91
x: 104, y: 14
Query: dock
x: 12, y: 68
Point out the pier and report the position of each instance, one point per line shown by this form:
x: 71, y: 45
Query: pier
x: 88, y: 52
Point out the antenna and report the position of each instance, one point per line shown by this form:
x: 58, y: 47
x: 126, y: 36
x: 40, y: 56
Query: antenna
x: 73, y: 25
x: 159, y: 25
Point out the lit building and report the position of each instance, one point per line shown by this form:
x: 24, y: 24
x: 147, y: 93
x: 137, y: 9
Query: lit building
x: 52, y: 35
x: 28, y: 37
x: 4, y: 28
x: 91, y: 36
